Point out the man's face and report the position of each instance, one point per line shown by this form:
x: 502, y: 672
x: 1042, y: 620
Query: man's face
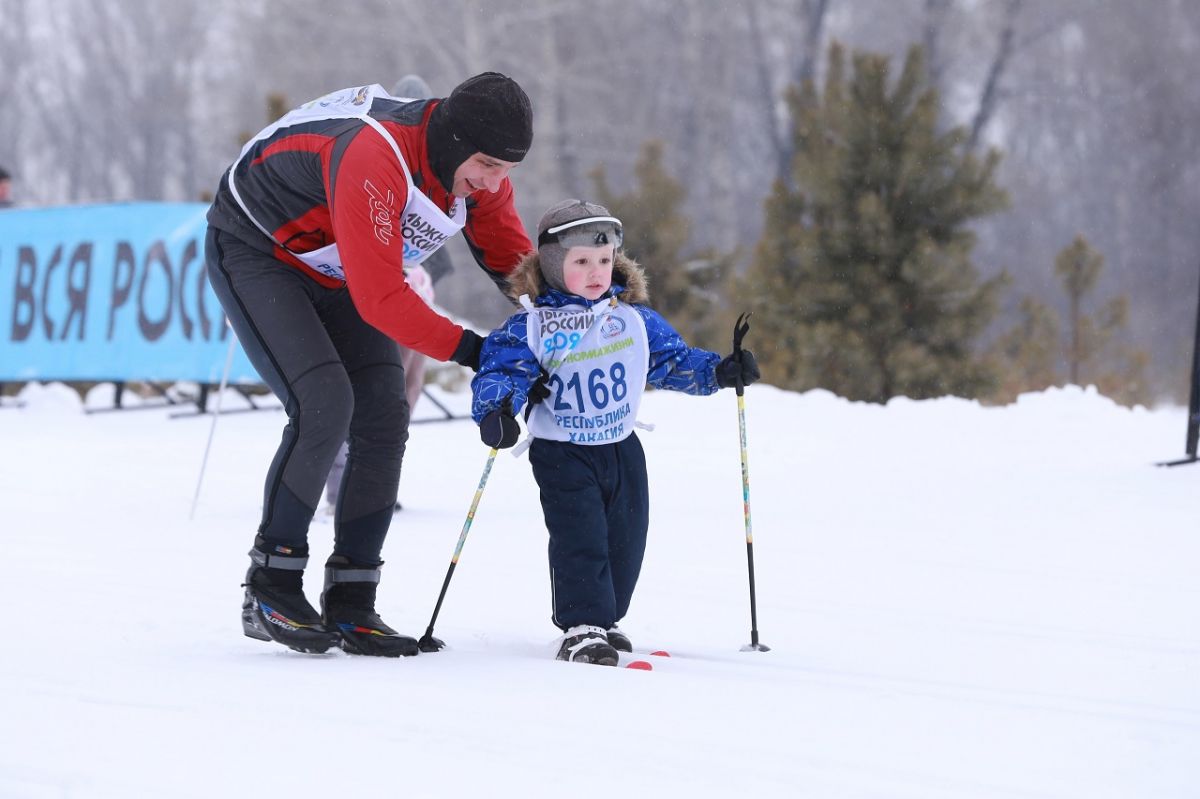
x: 5, y: 190
x: 480, y: 173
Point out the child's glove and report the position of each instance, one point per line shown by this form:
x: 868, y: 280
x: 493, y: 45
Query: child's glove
x: 540, y: 390
x: 738, y: 366
x: 499, y: 430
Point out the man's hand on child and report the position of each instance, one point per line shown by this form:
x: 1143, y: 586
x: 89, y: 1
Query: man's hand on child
x: 499, y: 429
x: 740, y: 366
x: 468, y: 350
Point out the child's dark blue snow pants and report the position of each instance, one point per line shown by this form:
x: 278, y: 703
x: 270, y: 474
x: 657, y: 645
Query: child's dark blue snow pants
x: 597, y: 508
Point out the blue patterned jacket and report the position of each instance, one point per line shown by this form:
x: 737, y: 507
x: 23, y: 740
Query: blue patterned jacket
x: 508, y: 367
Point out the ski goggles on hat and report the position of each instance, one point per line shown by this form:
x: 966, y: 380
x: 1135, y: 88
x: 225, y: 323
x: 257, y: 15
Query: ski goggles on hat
x: 569, y: 234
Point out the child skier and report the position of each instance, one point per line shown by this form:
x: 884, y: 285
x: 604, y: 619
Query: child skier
x: 581, y: 355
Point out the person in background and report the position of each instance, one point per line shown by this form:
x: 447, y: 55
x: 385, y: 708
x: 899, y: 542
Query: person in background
x: 309, y: 234
x: 423, y: 278
x: 5, y: 188
x: 590, y: 329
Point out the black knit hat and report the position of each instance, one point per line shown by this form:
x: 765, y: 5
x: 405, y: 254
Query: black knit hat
x: 493, y: 113
x: 487, y: 114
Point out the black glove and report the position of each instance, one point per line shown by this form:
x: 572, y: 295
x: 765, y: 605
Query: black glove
x: 467, y: 351
x: 539, y: 390
x: 499, y: 430
x: 738, y: 366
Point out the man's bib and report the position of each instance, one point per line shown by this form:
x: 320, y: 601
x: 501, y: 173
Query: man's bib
x: 424, y: 227
x: 598, y: 359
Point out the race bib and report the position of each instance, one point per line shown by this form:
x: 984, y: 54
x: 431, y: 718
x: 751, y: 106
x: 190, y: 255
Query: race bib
x: 597, y: 359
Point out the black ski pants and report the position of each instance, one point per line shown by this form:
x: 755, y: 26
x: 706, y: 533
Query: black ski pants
x: 337, y: 378
x: 597, y: 507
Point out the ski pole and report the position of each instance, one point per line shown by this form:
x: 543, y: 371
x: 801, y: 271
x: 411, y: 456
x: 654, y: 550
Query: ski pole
x: 428, y: 643
x: 740, y: 328
x: 212, y: 430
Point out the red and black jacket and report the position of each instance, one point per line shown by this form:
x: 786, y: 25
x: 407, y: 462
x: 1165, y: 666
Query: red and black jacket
x: 306, y: 184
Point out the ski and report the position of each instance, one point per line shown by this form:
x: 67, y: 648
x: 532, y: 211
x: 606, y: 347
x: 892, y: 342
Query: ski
x: 645, y: 652
x: 642, y: 660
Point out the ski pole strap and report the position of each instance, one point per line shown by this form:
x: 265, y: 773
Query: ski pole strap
x: 335, y: 575
x: 270, y: 561
x: 523, y: 445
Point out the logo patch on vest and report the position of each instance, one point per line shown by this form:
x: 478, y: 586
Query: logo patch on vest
x: 611, y: 327
x: 381, y: 209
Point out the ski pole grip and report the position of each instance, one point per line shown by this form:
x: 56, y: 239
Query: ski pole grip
x: 740, y: 328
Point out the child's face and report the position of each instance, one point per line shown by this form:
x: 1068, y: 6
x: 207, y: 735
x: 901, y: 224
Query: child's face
x: 587, y: 271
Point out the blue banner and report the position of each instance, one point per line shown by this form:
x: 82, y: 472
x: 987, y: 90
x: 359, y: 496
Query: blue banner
x: 111, y: 292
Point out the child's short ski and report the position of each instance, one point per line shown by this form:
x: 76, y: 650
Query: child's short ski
x: 642, y: 660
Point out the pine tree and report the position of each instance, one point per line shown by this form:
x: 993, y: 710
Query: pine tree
x: 1033, y: 355
x: 1027, y: 356
x: 1093, y: 351
x: 863, y: 281
x: 684, y: 287
x: 1078, y: 266
x: 277, y: 106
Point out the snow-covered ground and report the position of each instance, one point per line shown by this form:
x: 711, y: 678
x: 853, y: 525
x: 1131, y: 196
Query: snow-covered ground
x: 961, y: 602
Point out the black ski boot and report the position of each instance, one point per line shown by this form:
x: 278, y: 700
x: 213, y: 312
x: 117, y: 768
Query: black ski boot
x: 619, y: 640
x: 274, y: 607
x: 348, y: 606
x: 584, y: 643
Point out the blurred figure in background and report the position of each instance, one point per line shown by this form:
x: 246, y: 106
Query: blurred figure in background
x: 5, y: 188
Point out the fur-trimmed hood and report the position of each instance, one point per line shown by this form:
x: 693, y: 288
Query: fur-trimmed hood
x: 527, y: 279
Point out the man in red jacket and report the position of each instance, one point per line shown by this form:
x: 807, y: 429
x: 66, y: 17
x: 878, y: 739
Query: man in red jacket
x: 309, y: 237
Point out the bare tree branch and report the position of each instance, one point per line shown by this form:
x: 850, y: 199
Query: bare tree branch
x: 931, y: 39
x: 989, y: 97
x: 766, y: 91
x: 814, y: 15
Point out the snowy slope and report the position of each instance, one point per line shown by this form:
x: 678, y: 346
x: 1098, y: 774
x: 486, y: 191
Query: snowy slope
x: 961, y: 602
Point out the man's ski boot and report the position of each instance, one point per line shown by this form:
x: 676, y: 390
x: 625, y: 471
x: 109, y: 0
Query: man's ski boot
x: 584, y: 643
x: 274, y: 607
x: 618, y: 639
x: 348, y: 606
